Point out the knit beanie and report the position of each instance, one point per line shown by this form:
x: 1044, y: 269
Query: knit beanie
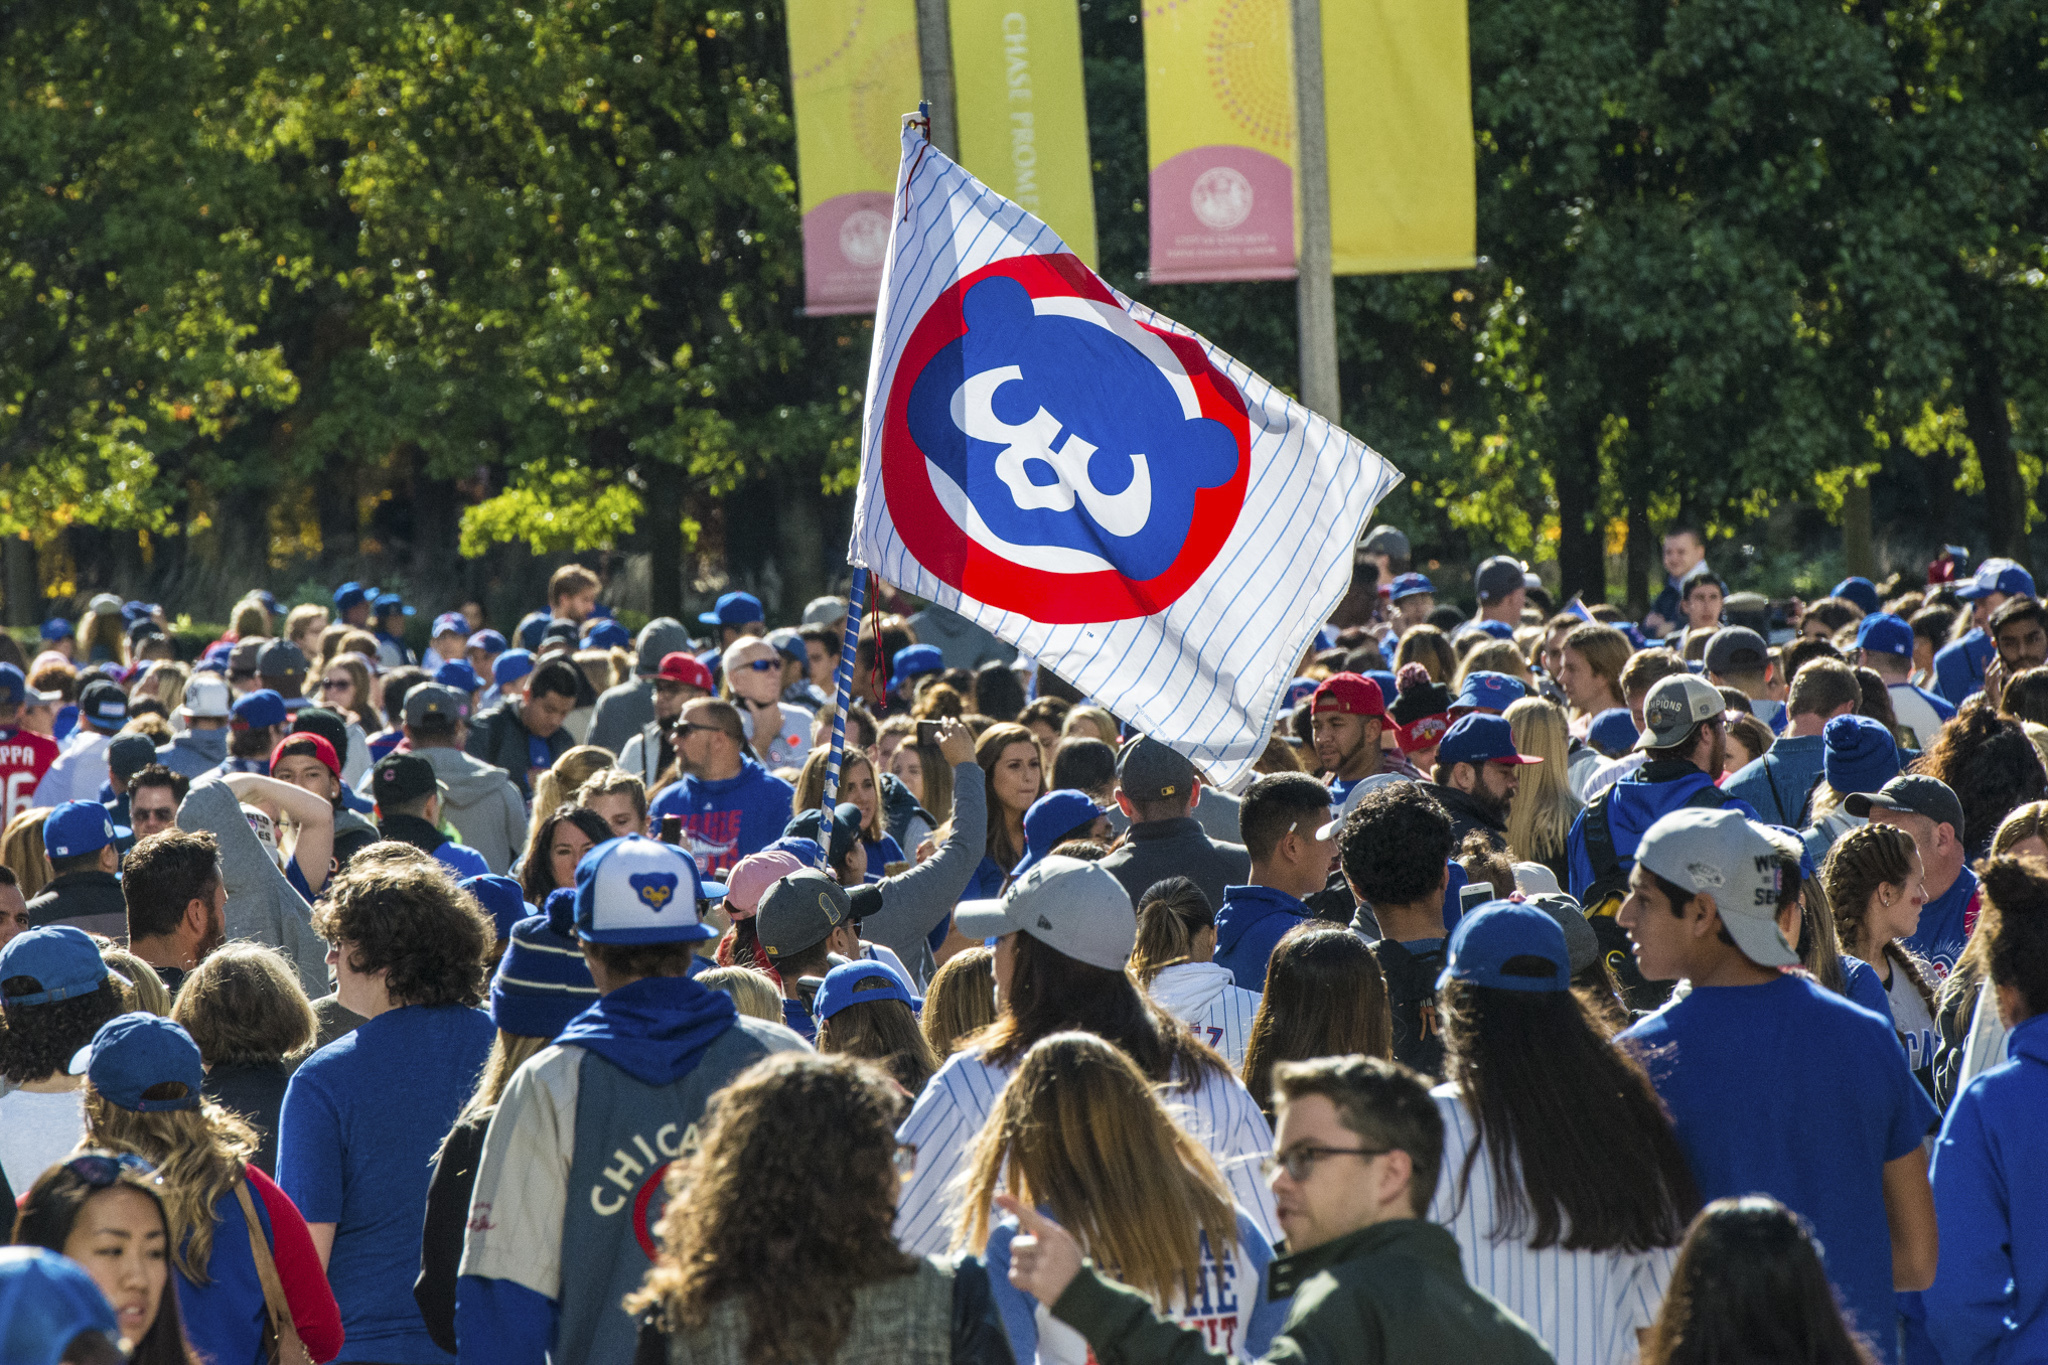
x: 1421, y: 710
x: 542, y: 982
x: 1857, y: 754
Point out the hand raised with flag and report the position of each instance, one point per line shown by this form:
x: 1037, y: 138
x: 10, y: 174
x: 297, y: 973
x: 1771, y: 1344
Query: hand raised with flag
x: 1044, y: 1257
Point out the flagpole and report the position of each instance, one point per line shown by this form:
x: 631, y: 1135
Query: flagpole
x: 842, y: 686
x: 935, y: 71
x: 1315, y: 292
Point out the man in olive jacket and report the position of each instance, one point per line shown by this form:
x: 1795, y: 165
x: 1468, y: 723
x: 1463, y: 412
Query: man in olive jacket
x: 1357, y: 1150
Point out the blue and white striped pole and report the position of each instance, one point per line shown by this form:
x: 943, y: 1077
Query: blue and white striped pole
x: 842, y: 688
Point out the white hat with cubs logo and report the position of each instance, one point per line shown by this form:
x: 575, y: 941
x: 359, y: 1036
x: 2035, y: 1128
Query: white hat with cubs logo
x: 638, y: 890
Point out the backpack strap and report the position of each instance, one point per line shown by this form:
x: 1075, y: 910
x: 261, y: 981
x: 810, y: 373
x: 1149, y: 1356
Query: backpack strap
x: 1599, y: 837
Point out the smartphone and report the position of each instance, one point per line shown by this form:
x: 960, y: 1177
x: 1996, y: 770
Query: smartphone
x: 1472, y: 895
x: 927, y: 734
x: 671, y: 829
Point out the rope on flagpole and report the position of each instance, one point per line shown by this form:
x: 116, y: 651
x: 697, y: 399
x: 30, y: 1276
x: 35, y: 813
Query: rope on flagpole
x: 842, y: 691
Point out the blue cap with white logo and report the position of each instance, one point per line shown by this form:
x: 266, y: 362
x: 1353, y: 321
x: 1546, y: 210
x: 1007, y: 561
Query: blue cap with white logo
x: 1883, y: 633
x: 76, y: 828
x: 1998, y: 576
x: 450, y: 623
x: 489, y: 641
x: 636, y: 890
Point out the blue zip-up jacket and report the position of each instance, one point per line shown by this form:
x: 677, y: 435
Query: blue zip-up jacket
x: 1251, y: 922
x: 1633, y: 805
x: 1777, y: 783
x: 1959, y: 668
x: 1989, y: 1301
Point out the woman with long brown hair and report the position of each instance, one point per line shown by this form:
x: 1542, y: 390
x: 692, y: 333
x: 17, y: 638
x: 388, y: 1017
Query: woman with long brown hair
x: 560, y: 839
x: 1877, y: 887
x: 863, y: 1010
x: 777, y: 1248
x: 959, y: 1001
x: 1078, y: 1133
x: 857, y: 787
x: 1013, y: 773
x: 1325, y: 997
x: 143, y: 1086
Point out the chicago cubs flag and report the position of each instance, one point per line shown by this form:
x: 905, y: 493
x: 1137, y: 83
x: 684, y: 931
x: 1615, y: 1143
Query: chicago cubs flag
x: 1092, y: 482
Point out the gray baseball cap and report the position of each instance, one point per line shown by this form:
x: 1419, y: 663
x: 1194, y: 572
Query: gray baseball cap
x: 662, y: 636
x: 1581, y: 945
x: 1150, y: 771
x: 1675, y: 707
x: 1913, y: 794
x: 1718, y: 853
x: 1737, y: 649
x: 1077, y: 909
x: 824, y: 611
x: 799, y: 910
x: 1384, y: 540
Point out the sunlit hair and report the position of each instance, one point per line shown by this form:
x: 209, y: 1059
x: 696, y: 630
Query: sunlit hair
x: 959, y: 1000
x: 50, y: 1211
x: 1961, y: 987
x: 1428, y: 646
x: 1989, y: 763
x: 405, y: 916
x: 753, y: 991
x: 615, y: 782
x: 200, y: 1153
x: 1606, y: 652
x: 359, y: 694
x: 245, y: 1007
x: 1494, y: 656
x: 249, y: 620
x: 145, y: 990
x: 764, y: 1214
x: 559, y: 783
x: 1101, y: 725
x: 1172, y: 914
x: 509, y: 1052
x: 1749, y: 1285
x: 21, y: 849
x: 1544, y: 807
x: 810, y: 786
x: 881, y: 1031
x: 1078, y: 1131
x: 1581, y: 1152
x: 1860, y: 862
x: 2014, y: 927
x: 2024, y: 823
x: 1325, y: 997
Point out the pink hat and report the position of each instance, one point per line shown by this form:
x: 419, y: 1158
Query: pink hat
x: 751, y: 877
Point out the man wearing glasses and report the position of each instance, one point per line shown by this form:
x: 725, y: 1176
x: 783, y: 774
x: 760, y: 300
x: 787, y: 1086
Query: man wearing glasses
x: 729, y: 805
x: 1358, y: 1146
x: 154, y: 795
x: 678, y: 679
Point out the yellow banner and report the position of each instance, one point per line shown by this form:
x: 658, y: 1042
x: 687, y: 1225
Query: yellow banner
x: 1397, y: 91
x: 1021, y: 111
x: 855, y: 71
x: 1219, y: 114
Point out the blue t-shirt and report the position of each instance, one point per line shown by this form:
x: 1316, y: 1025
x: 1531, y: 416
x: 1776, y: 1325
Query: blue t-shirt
x: 361, y: 1122
x: 1944, y: 924
x: 1789, y: 1090
x: 797, y: 1017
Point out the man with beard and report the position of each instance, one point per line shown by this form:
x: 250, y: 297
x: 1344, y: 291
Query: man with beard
x: 2019, y: 631
x: 1476, y: 776
x: 1347, y: 714
x: 177, y: 902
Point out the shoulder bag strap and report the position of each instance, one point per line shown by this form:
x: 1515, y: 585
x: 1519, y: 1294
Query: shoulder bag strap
x: 281, y: 1342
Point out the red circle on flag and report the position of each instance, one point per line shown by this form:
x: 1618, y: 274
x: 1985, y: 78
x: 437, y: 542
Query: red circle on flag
x: 943, y: 547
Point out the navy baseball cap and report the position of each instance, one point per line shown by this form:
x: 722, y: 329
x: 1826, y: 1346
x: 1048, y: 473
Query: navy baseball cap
x: 636, y: 890
x: 258, y: 710
x: 511, y: 666
x: 390, y: 602
x: 734, y: 609
x: 103, y: 703
x: 846, y: 818
x: 1883, y: 633
x: 63, y: 962
x: 13, y: 685
x: 1861, y: 591
x: 352, y: 594
x: 457, y: 674
x: 1411, y: 585
x: 46, y: 1302
x: 450, y: 623
x: 1495, y: 934
x: 55, y: 629
x: 502, y: 899
x: 1613, y: 732
x: 1484, y: 691
x: 1480, y: 738
x: 1052, y: 818
x: 531, y: 627
x: 1997, y: 576
x: 914, y: 661
x: 435, y: 702
x: 607, y: 634
x: 134, y: 1053
x: 841, y: 983
x: 489, y: 641
x: 76, y: 828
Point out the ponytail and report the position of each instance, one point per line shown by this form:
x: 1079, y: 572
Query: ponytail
x: 1171, y: 914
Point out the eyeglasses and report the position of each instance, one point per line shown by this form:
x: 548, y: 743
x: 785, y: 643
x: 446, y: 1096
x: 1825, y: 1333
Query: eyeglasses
x: 101, y: 1171
x: 1300, y: 1162
x: 904, y: 1159
x: 336, y: 684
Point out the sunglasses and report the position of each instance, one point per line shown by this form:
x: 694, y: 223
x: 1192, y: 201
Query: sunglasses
x: 100, y: 1171
x: 762, y: 665
x: 336, y: 684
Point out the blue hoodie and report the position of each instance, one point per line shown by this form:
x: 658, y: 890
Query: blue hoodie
x: 726, y: 820
x: 1989, y: 1301
x: 1253, y: 919
x: 1959, y: 667
x: 1633, y: 805
x: 653, y: 1029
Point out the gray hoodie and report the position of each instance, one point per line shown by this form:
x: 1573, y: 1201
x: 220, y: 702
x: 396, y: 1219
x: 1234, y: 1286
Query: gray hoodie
x: 898, y: 912
x: 262, y: 906
x: 195, y: 752
x: 487, y: 811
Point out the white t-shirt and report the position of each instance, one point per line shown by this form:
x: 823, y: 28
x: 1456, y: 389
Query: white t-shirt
x: 37, y: 1131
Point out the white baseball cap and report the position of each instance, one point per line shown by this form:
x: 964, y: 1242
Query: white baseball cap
x: 1073, y: 907
x: 206, y: 698
x: 1718, y: 853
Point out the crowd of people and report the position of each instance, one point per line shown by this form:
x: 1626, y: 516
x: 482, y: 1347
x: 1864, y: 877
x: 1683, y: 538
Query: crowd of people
x: 1562, y: 987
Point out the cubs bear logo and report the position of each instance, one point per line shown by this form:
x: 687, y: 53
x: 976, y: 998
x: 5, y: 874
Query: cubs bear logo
x: 1045, y: 452
x: 655, y: 889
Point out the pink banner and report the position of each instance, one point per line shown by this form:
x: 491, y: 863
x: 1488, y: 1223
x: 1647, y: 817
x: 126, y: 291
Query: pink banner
x: 1222, y: 213
x: 846, y: 240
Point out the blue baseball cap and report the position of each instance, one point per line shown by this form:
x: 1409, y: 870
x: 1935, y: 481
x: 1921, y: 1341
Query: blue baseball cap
x: 1412, y: 585
x: 846, y: 818
x: 607, y: 634
x: 258, y: 710
x: 803, y: 848
x: 1857, y: 754
x: 542, y: 981
x: 46, y: 1302
x: 1484, y: 691
x: 838, y: 990
x: 389, y: 603
x: 489, y: 641
x: 1499, y: 630
x: 915, y: 661
x: 1298, y: 691
x: 133, y: 1053
x: 531, y: 628
x: 1861, y: 591
x: 1051, y: 818
x: 457, y: 673
x: 1480, y: 738
x: 1997, y: 576
x: 1883, y: 633
x: 636, y: 890
x: 511, y: 666
x: 502, y: 899
x: 57, y: 628
x: 77, y: 828
x: 269, y: 600
x: 1496, y: 933
x: 734, y: 609
x: 450, y: 622
x: 352, y: 594
x: 13, y: 685
x: 1613, y: 732
x: 63, y: 962
x: 131, y: 612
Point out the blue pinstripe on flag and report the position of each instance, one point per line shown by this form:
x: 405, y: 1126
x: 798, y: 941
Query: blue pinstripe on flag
x: 1092, y: 482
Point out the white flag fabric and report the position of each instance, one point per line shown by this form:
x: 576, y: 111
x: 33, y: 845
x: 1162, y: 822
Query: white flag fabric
x: 1092, y: 482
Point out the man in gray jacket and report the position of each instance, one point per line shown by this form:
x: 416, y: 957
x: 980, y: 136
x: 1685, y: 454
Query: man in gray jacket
x: 204, y: 744
x: 623, y: 710
x: 479, y: 800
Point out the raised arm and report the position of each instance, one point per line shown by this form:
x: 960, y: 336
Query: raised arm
x: 314, y: 816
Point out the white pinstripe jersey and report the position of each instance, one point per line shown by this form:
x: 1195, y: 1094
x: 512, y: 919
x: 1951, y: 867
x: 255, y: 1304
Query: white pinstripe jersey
x: 1585, y: 1305
x: 1207, y: 999
x: 957, y: 1100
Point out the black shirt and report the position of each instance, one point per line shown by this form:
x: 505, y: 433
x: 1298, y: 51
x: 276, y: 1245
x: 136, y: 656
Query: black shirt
x: 88, y: 900
x: 257, y: 1094
x: 1411, y: 999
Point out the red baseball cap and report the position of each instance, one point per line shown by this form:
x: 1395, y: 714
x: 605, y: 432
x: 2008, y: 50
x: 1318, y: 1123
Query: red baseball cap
x: 1422, y: 733
x: 303, y: 742
x: 1350, y: 694
x: 686, y: 669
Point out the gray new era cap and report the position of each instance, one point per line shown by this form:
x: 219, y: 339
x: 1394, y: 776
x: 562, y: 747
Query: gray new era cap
x: 824, y: 611
x: 1075, y: 908
x: 1675, y: 706
x: 1718, y: 853
x: 662, y: 636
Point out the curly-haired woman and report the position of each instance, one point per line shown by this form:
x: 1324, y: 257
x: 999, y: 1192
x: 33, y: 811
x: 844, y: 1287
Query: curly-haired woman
x: 364, y: 1115
x: 779, y: 1248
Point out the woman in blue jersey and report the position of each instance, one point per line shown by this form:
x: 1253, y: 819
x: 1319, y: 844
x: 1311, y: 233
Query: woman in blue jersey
x: 1078, y: 1132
